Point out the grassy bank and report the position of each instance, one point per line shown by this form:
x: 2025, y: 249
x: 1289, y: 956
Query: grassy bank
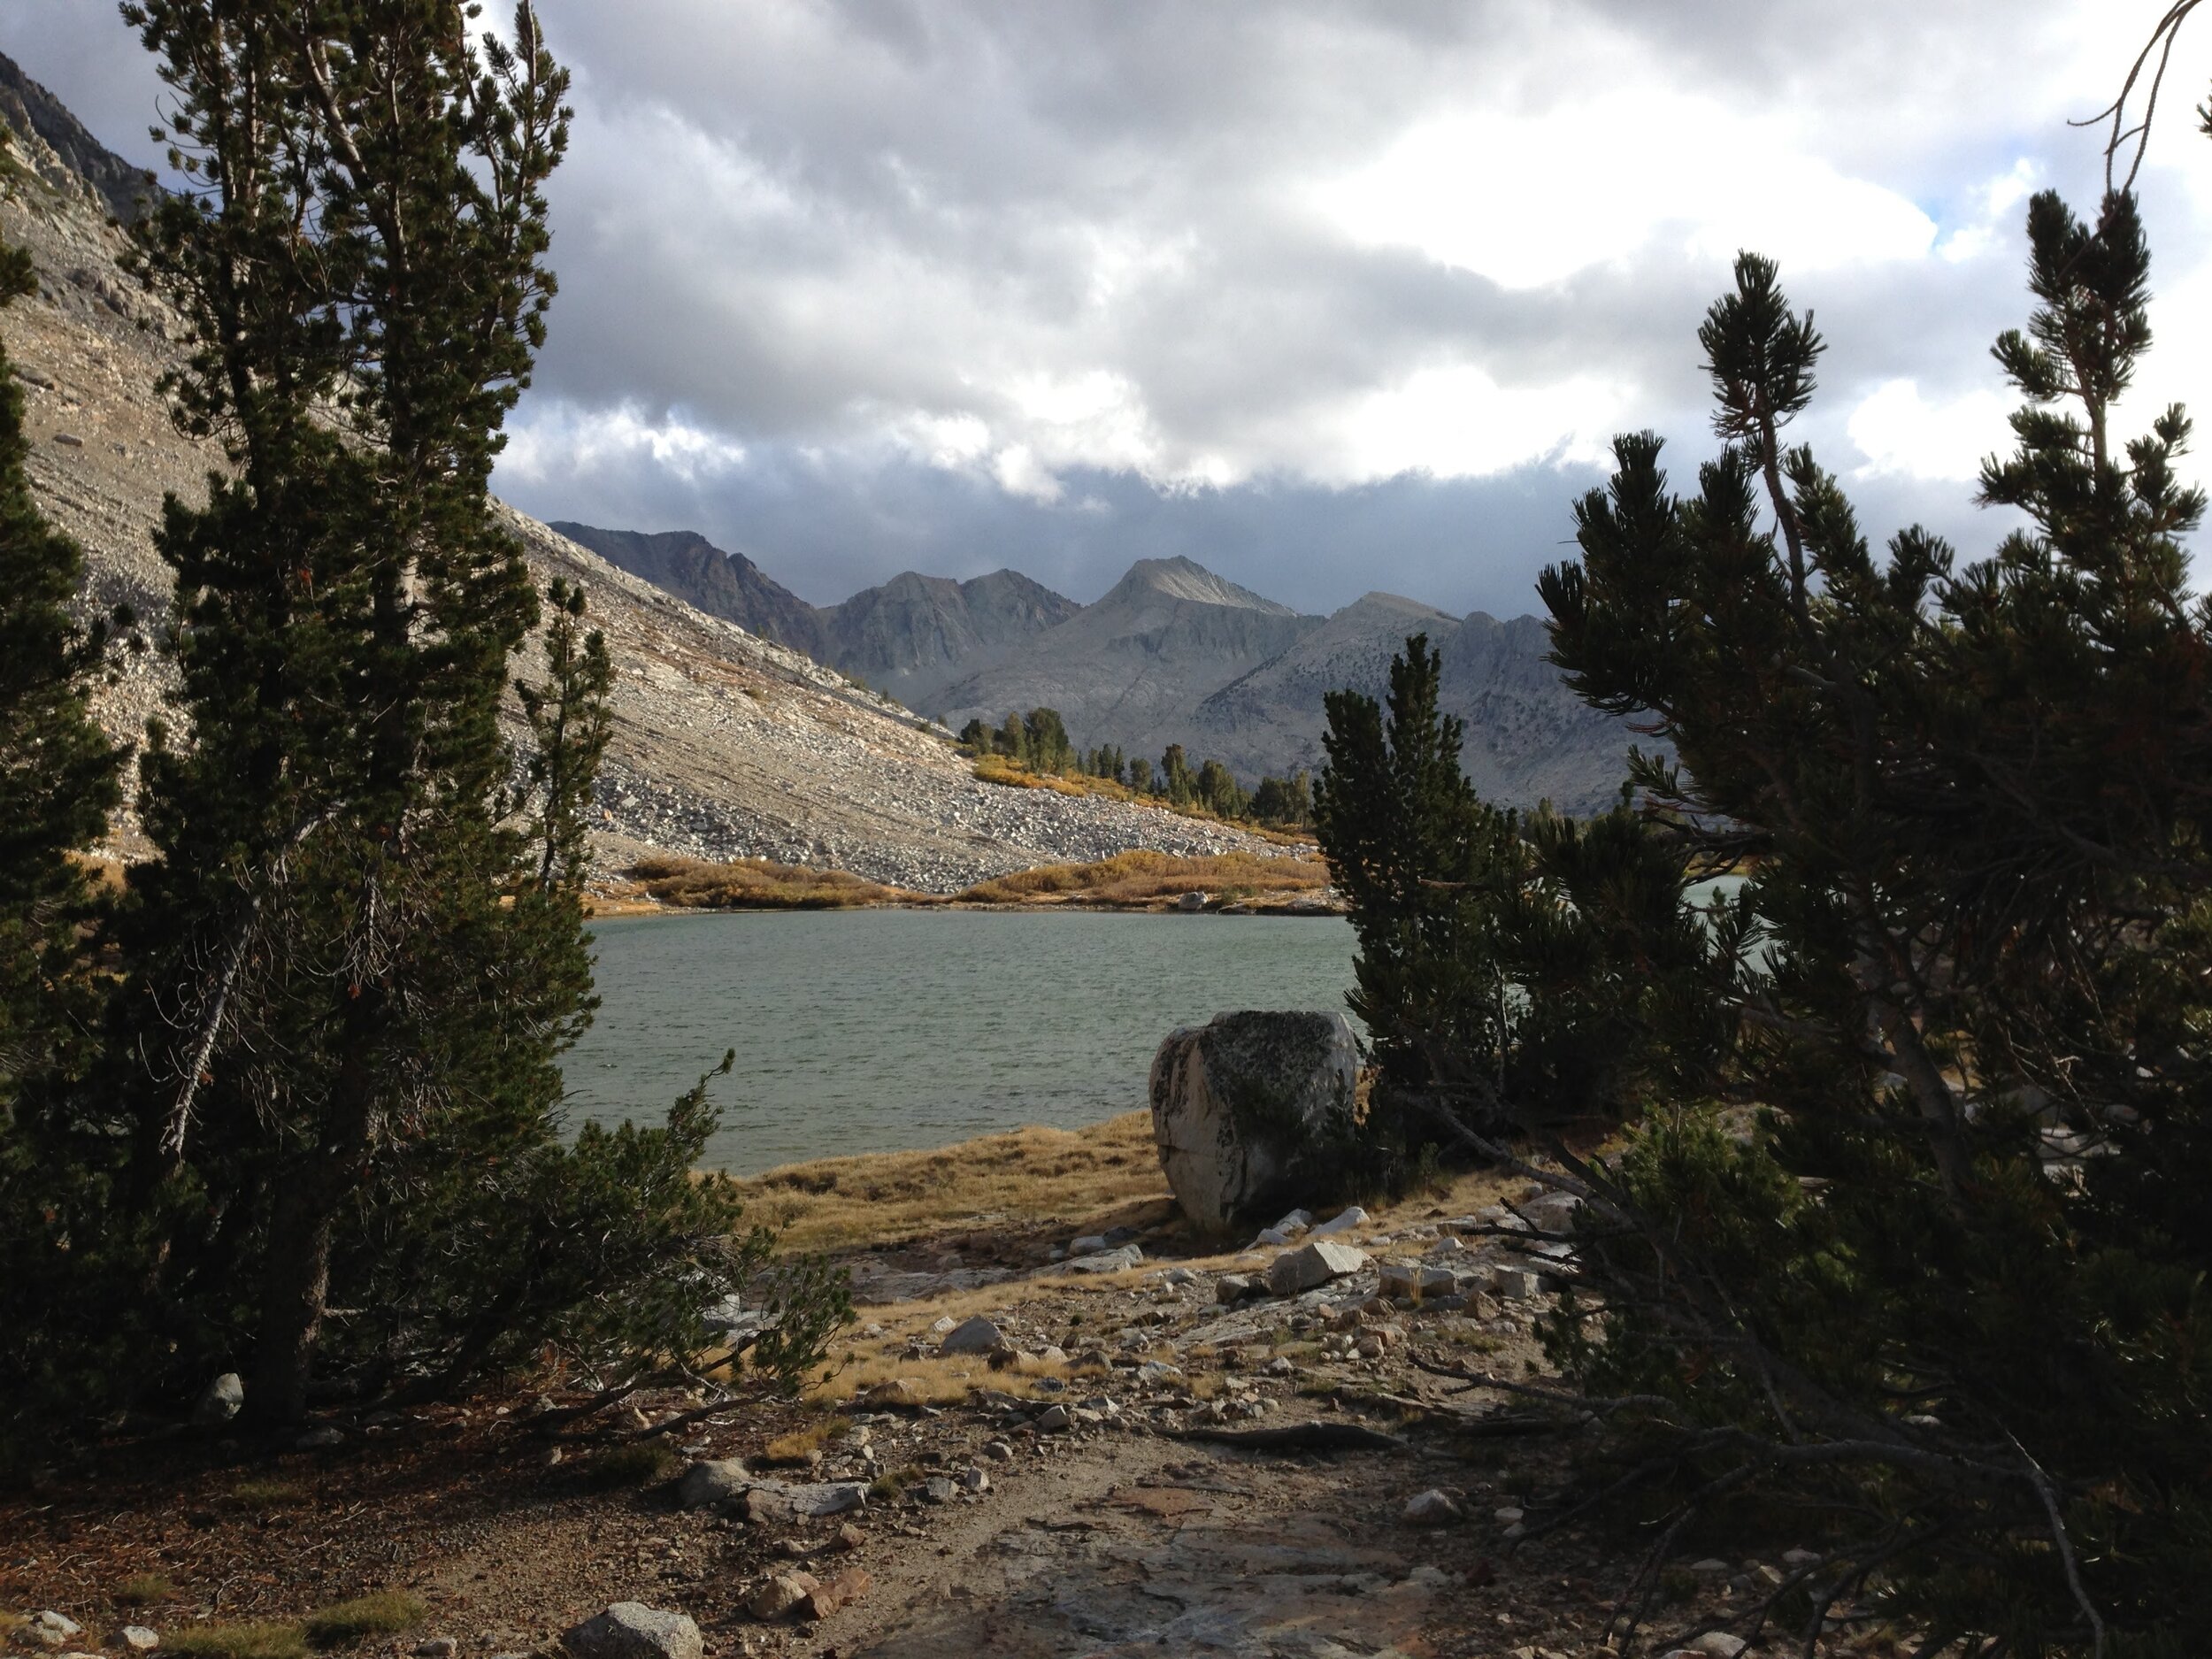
x: 1132, y: 880
x: 1028, y: 1176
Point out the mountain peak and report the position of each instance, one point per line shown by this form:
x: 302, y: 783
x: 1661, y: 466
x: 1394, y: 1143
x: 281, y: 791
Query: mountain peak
x: 1180, y: 578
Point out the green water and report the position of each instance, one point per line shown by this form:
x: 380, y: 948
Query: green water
x: 868, y: 1030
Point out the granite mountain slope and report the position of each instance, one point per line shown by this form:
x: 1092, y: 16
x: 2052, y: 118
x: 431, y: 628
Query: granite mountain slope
x: 726, y: 744
x: 1174, y: 653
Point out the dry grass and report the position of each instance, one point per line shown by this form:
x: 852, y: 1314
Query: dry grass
x: 934, y: 1380
x: 1028, y: 1175
x: 385, y: 1613
x: 1145, y: 878
x: 259, y: 1640
x: 801, y: 1445
x: 144, y: 1589
x: 759, y: 884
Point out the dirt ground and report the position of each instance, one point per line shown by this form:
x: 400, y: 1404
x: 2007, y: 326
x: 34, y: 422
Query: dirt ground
x: 989, y: 1528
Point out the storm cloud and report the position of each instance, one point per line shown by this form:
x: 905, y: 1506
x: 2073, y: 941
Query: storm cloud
x: 1328, y: 296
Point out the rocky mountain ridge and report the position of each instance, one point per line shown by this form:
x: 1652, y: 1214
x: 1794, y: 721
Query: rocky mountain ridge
x: 725, y: 744
x: 1172, y: 654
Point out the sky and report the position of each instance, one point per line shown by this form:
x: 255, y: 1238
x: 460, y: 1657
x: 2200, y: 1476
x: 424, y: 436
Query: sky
x: 1329, y: 296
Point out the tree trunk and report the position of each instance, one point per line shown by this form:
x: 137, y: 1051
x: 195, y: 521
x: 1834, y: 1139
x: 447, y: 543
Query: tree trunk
x: 296, y: 1276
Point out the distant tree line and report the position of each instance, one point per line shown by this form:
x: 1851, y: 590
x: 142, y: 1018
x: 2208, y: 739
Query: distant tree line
x: 1038, y: 741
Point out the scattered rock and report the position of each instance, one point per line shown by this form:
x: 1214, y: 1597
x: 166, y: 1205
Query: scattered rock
x: 978, y: 1335
x: 773, y: 1597
x: 221, y: 1400
x: 1053, y: 1418
x: 1090, y: 1244
x: 437, y: 1647
x: 1353, y: 1217
x: 1249, y: 1108
x: 891, y: 1392
x: 320, y: 1440
x: 937, y: 1489
x: 631, y: 1630
x: 1109, y: 1261
x: 973, y: 1479
x: 847, y: 1588
x: 1235, y: 1287
x: 1718, y: 1644
x: 1191, y: 902
x: 139, y: 1639
x: 999, y: 1452
x: 1431, y: 1508
x: 1311, y: 1265
x: 715, y: 1481
x: 69, y: 439
x: 50, y: 1629
x: 851, y: 1538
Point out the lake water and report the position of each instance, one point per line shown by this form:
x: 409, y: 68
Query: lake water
x: 867, y: 1031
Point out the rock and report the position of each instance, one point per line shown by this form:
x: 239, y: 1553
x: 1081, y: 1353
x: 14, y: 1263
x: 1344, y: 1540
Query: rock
x: 1510, y: 1515
x: 1801, y: 1558
x: 1235, y: 1287
x: 50, y: 1629
x: 1718, y: 1644
x: 715, y: 1481
x: 437, y: 1647
x: 999, y: 1452
x: 320, y: 1439
x: 1053, y: 1418
x: 943, y: 1326
x: 221, y: 1400
x: 847, y: 1588
x: 1109, y: 1261
x: 1710, y: 1568
x: 1296, y: 1221
x: 70, y: 440
x: 631, y: 1630
x: 1353, y: 1217
x: 851, y: 1538
x: 1272, y: 1238
x: 1053, y: 1354
x: 138, y: 1639
x: 1191, y: 902
x: 1416, y: 1282
x: 937, y: 1489
x: 1249, y: 1109
x: 1431, y: 1508
x: 1516, y: 1284
x: 891, y: 1392
x: 979, y: 1335
x: 1090, y: 1244
x: 776, y: 1596
x: 1178, y: 1276
x: 1311, y: 1265
x: 973, y: 1479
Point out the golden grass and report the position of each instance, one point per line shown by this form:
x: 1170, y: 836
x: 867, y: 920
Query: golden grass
x: 267, y: 1493
x: 384, y: 1613
x: 1027, y: 1175
x: 143, y: 1589
x: 759, y: 884
x: 258, y: 1641
x: 801, y: 1445
x: 1143, y: 878
x: 935, y: 1380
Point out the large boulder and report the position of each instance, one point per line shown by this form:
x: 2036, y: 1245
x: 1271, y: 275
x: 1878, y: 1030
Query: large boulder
x: 631, y: 1630
x: 1250, y: 1112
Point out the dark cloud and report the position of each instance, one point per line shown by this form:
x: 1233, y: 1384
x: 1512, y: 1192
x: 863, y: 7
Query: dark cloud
x: 1329, y: 293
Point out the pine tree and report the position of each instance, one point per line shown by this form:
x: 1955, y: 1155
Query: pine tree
x: 57, y: 771
x: 362, y: 270
x: 58, y: 782
x: 1949, y: 1291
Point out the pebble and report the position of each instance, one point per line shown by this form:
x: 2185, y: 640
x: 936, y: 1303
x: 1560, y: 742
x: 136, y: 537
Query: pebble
x: 1431, y: 1507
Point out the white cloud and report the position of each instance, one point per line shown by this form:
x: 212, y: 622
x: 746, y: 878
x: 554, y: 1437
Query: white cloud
x: 1531, y: 198
x: 549, y: 441
x: 1902, y: 433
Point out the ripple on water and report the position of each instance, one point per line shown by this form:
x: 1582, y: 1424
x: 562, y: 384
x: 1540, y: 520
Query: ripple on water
x: 869, y: 1031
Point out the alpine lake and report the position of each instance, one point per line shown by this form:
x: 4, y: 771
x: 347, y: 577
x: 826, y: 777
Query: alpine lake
x: 881, y: 1030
